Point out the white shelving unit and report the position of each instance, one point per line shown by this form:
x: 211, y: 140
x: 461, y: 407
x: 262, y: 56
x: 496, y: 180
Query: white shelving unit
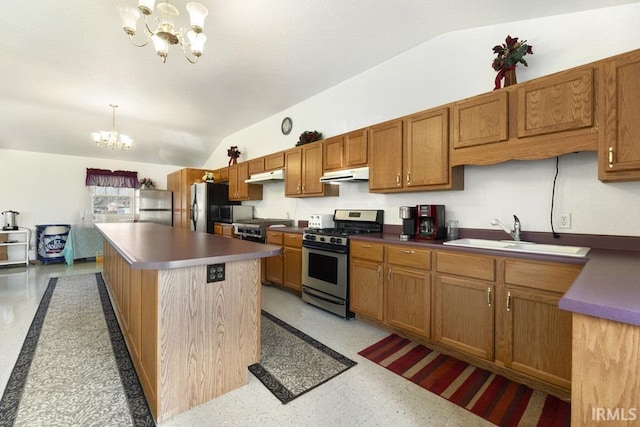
x: 16, y: 246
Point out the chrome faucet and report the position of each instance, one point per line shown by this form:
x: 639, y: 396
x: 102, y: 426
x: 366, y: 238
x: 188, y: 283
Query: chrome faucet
x: 515, y: 233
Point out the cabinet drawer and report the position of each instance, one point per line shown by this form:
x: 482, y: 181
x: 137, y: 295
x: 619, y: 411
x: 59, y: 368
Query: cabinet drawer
x: 367, y: 250
x: 292, y: 240
x: 409, y: 256
x: 474, y: 266
x: 553, y: 277
x: 274, y: 237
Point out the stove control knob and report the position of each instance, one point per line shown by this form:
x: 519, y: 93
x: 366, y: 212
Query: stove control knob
x: 339, y: 241
x: 322, y: 239
x: 333, y: 240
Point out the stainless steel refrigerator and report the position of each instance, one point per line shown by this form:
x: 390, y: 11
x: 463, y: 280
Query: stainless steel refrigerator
x: 154, y: 206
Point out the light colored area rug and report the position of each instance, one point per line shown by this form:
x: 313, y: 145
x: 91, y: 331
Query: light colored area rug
x: 74, y: 368
x: 291, y: 362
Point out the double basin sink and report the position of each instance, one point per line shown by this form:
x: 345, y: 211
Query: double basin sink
x: 520, y: 246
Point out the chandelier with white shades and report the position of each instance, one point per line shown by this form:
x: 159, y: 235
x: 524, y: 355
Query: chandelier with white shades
x: 165, y: 33
x: 112, y: 139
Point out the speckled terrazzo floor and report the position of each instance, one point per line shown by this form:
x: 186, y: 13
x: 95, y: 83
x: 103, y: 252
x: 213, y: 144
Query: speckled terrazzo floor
x: 364, y: 395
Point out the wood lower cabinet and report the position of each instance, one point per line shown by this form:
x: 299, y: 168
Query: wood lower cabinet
x: 292, y: 260
x: 500, y: 312
x: 465, y: 287
x: 225, y: 230
x: 619, y: 150
x: 366, y: 283
x: 286, y: 268
x: 179, y: 183
x: 391, y: 284
x: 408, y: 289
x: 535, y: 333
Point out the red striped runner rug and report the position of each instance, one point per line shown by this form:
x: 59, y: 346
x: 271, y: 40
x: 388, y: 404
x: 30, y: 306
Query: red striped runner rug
x: 491, y: 396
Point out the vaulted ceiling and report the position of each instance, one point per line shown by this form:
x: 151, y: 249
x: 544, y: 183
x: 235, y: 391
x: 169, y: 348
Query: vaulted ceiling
x: 63, y: 62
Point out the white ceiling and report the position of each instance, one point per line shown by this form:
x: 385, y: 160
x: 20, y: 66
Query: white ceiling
x: 63, y: 62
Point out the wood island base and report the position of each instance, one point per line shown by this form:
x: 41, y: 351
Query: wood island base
x: 190, y: 341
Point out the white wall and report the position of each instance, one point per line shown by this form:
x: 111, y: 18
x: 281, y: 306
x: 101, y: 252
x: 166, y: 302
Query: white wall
x: 50, y: 189
x: 451, y: 67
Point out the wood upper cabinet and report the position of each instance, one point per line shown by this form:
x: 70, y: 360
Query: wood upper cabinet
x: 180, y: 183
x: 346, y: 151
x: 366, y: 279
x: 408, y: 289
x: 535, y: 333
x: 426, y: 149
x: 619, y: 117
x: 385, y: 156
x: 557, y: 103
x: 240, y: 190
x: 412, y: 154
x: 303, y: 170
x: 481, y: 120
x: 542, y: 118
x: 256, y: 165
x: 464, y: 298
x: 221, y: 175
x: 274, y: 161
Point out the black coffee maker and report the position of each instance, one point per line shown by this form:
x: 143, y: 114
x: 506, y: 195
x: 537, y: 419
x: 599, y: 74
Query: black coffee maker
x: 408, y: 216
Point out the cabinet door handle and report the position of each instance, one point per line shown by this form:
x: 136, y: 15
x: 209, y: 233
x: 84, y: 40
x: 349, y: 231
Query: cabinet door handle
x: 489, y: 296
x: 303, y: 188
x: 610, y: 157
x: 408, y: 177
x: 406, y: 251
x: 389, y: 276
x: 508, y: 301
x: 379, y: 272
x: 398, y: 179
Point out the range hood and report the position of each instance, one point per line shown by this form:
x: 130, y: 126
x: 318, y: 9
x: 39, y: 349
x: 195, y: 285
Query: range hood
x: 277, y: 175
x: 357, y: 174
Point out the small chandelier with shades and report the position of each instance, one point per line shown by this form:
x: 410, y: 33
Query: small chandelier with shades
x: 165, y: 33
x: 112, y: 139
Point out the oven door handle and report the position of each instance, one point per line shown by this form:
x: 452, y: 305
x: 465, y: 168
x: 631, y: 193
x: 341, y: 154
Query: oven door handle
x: 325, y: 250
x: 323, y: 298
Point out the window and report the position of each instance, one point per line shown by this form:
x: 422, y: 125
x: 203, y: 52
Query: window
x: 111, y: 204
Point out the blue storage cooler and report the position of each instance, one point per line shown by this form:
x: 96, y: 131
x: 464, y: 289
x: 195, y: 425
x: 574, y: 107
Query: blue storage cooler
x: 51, y: 239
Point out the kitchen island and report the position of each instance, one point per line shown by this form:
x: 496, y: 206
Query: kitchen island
x: 188, y: 305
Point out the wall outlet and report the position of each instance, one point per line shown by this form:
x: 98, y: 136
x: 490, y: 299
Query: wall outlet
x: 215, y: 273
x: 564, y: 220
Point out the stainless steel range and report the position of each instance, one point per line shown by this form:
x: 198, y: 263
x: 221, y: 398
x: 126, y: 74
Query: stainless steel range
x: 325, y: 258
x: 255, y: 229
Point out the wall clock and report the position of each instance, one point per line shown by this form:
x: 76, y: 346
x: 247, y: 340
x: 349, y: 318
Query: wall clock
x: 286, y: 126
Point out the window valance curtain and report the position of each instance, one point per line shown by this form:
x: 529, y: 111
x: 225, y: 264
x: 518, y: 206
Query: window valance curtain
x: 107, y: 178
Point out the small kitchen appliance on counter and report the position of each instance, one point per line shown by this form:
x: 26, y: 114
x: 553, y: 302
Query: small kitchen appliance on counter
x: 320, y: 221
x: 408, y: 217
x: 430, y: 222
x: 10, y: 222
